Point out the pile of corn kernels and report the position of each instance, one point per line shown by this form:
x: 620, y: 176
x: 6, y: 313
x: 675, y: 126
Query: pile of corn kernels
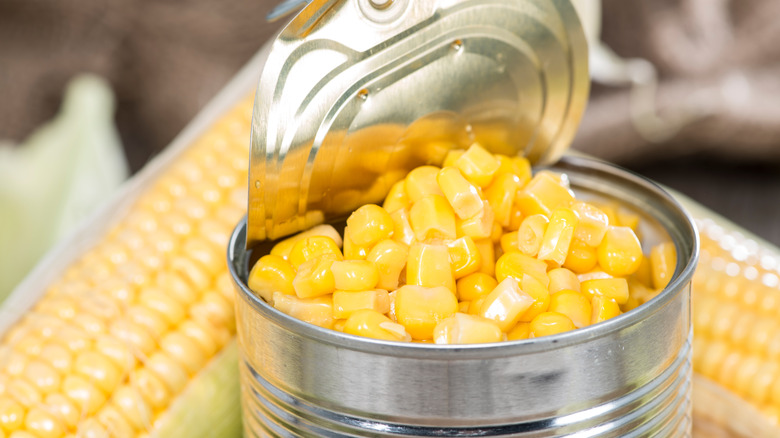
x: 479, y: 250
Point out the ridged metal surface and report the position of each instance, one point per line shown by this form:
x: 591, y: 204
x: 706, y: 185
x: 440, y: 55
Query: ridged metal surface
x: 662, y: 407
x: 626, y: 377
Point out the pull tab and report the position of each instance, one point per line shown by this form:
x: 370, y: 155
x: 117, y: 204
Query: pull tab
x: 284, y: 8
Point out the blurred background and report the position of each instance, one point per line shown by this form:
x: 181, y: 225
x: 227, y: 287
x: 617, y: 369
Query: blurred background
x: 686, y: 92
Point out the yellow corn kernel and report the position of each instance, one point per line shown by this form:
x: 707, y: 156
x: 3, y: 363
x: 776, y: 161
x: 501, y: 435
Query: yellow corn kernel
x: 487, y: 253
x: 461, y: 328
x: 43, y: 424
x: 98, y: 369
x: 627, y: 218
x: 83, y: 393
x: 317, y: 311
x: 42, y: 375
x: 519, y: 166
x: 543, y: 194
x: 509, y: 242
x: 613, y: 288
x: 500, y: 194
x: 402, y: 228
x: 372, y: 324
x: 115, y: 422
x: 452, y: 156
x: 464, y: 257
x: 515, y: 264
x: 345, y: 303
x: 183, y: 350
x: 550, y: 323
x: 136, y: 411
x: 353, y: 251
x: 561, y: 279
x: 369, y: 224
x: 475, y: 286
x: 496, y: 234
x: 11, y: 414
x: 421, y: 182
x: 311, y: 247
x: 480, y: 226
x: 60, y: 406
x: 151, y: 388
x: 463, y: 306
x: 603, y: 308
x: 432, y: 218
x: 420, y: 308
x: 168, y: 371
x: 429, y: 265
x: 531, y: 234
x: 477, y: 165
x: 592, y: 223
x: 461, y: 194
x: 572, y: 304
x: 396, y: 198
x: 521, y: 330
x: 354, y: 275
x: 620, y: 252
x: 390, y: 258
x: 314, y: 278
x: 283, y: 248
x: 539, y: 293
x: 506, y: 304
x: 272, y: 273
x: 640, y: 292
x: 663, y: 261
x: 581, y: 258
x: 558, y: 235
x: 515, y: 218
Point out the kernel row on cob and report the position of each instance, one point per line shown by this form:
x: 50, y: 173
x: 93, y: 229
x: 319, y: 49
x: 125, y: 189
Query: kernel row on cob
x: 478, y: 250
x: 135, y: 337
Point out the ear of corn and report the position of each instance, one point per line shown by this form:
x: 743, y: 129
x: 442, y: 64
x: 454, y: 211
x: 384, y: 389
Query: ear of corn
x: 133, y: 334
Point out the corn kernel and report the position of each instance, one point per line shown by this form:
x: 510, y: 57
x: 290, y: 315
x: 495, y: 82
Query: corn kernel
x: 475, y: 286
x: 42, y: 375
x: 613, y: 288
x: 592, y: 223
x: 521, y: 330
x: 581, y: 258
x: 284, y: 247
x: 402, y: 228
x: 270, y: 274
x: 397, y: 198
x: 83, y: 393
x: 317, y: 311
x: 452, y: 156
x: 421, y: 182
x: 314, y: 278
x: 372, y: 324
x: 562, y: 278
x: 429, y: 265
x: 477, y: 165
x: 151, y: 388
x: 550, y: 323
x: 466, y: 329
x: 509, y: 242
x: 432, y: 218
x: 369, y: 224
x: 461, y: 194
x: 353, y: 251
x: 480, y: 226
x: 11, y: 414
x: 543, y: 194
x: 390, y: 258
x: 663, y: 261
x: 43, y: 424
x: 420, y: 308
x: 620, y: 252
x: 519, y: 166
x: 500, y: 194
x: 487, y: 253
x: 168, y: 371
x: 572, y: 304
x: 603, y: 309
x: 464, y: 257
x: 558, y: 236
x: 345, y: 303
x: 515, y: 264
x: 506, y: 304
x: 61, y: 407
x: 115, y: 422
x: 531, y: 234
x: 354, y: 275
x: 539, y: 293
x: 312, y: 247
x: 98, y: 369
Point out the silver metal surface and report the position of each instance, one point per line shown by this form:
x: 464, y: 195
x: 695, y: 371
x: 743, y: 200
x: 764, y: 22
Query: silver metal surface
x: 626, y: 377
x: 356, y: 93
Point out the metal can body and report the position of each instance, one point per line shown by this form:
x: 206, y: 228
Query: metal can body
x: 626, y: 377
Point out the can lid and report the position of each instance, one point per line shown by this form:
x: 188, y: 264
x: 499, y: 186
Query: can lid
x: 355, y: 93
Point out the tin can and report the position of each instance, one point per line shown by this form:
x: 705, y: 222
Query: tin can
x: 629, y: 376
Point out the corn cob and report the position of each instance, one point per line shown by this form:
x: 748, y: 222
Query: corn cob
x: 136, y: 337
x: 736, y: 320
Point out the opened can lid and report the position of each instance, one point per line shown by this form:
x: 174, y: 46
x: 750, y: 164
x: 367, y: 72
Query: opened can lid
x: 355, y: 93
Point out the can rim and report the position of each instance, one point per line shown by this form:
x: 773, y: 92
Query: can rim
x: 683, y: 273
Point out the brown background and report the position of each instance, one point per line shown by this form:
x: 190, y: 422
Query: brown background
x: 166, y: 59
